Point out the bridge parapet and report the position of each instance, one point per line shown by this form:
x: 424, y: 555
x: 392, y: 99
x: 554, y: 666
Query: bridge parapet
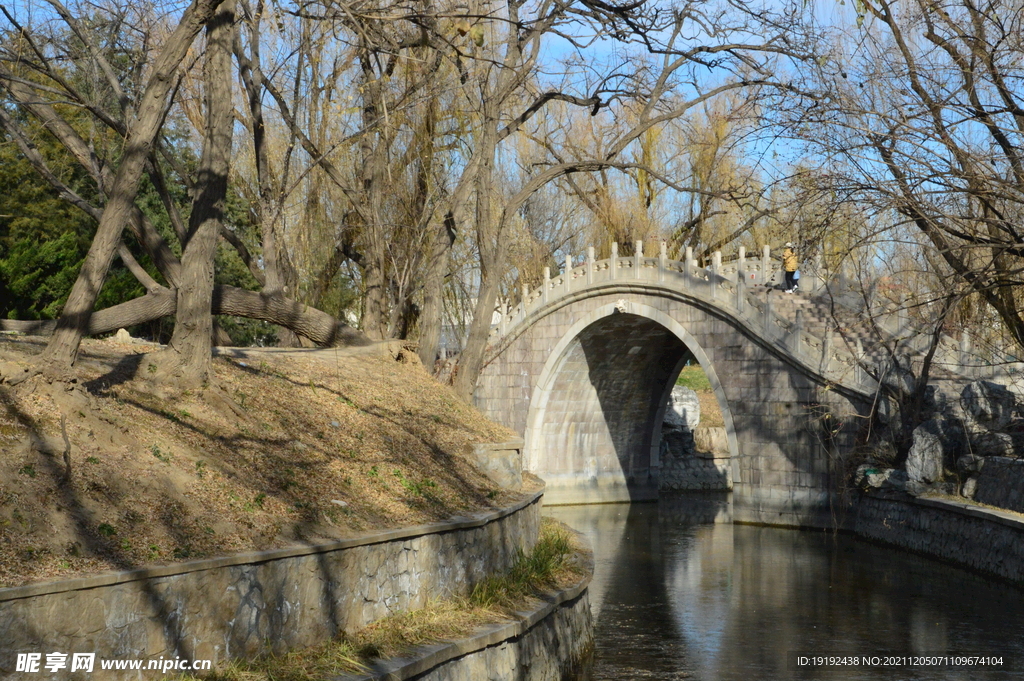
x: 722, y: 290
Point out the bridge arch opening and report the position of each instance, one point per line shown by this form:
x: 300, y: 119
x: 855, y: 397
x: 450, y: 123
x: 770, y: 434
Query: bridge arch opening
x: 593, y: 432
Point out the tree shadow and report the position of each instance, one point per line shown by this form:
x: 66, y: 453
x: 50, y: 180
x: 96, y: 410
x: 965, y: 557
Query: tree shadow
x: 69, y: 496
x: 126, y: 369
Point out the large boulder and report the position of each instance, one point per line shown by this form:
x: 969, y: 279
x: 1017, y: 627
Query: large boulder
x: 989, y: 404
x: 990, y: 443
x: 711, y: 440
x: 880, y: 478
x: 938, y: 402
x: 683, y: 409
x: 937, y: 444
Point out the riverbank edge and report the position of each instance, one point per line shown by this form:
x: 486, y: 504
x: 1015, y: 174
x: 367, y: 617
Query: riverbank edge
x: 987, y: 540
x: 265, y: 601
x: 562, y: 618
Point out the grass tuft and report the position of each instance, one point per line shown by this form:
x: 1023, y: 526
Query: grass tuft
x: 542, y: 567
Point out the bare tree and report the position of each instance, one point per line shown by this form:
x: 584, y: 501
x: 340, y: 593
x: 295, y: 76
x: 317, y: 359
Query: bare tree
x: 917, y: 118
x: 62, y: 349
x: 672, y: 84
x: 34, y: 78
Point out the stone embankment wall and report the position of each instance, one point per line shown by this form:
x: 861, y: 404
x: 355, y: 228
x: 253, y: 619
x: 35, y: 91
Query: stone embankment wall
x: 692, y: 457
x: 988, y: 540
x: 1001, y: 483
x: 696, y: 461
x: 257, y: 602
x: 554, y: 641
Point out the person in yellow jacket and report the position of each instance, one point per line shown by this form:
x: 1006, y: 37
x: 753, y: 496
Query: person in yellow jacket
x: 789, y: 264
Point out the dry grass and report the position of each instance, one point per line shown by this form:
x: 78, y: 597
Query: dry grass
x: 710, y: 411
x: 554, y: 563
x: 279, y: 448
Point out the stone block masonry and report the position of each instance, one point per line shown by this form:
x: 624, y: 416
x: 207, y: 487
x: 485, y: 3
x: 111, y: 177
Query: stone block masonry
x: 599, y: 363
x: 984, y: 539
x: 268, y: 601
x: 553, y: 650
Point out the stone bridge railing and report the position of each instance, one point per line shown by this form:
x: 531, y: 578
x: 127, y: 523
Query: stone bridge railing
x: 724, y: 291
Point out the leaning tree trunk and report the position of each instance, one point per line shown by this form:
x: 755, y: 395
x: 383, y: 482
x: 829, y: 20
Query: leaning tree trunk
x: 62, y: 350
x: 193, y: 329
x: 309, y: 322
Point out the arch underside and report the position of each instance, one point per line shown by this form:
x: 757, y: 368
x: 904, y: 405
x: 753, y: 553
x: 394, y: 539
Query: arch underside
x: 586, y: 385
x: 598, y: 428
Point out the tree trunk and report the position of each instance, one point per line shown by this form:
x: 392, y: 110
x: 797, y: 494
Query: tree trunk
x: 374, y: 321
x: 154, y: 305
x: 279, y: 274
x: 433, y: 291
x: 62, y: 350
x: 193, y: 329
x: 317, y: 326
x: 472, y: 359
x: 489, y: 243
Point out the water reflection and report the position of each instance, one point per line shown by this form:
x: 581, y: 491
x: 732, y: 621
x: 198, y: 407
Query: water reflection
x: 680, y: 593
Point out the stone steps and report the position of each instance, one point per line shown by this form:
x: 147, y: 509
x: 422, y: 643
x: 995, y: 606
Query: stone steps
x: 821, y: 316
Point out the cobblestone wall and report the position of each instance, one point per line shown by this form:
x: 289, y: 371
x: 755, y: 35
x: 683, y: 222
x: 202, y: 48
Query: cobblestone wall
x: 988, y: 540
x: 250, y: 603
x: 695, y: 471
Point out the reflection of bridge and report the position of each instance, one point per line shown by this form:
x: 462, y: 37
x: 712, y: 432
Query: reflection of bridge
x: 582, y: 368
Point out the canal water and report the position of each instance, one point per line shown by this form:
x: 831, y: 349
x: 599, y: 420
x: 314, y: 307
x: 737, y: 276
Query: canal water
x: 681, y: 593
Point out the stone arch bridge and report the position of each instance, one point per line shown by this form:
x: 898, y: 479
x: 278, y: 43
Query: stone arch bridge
x: 583, y: 366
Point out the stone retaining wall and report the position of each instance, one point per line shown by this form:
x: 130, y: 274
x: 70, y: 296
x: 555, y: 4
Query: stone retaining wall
x: 988, y: 540
x: 250, y: 603
x: 696, y: 471
x: 551, y: 642
x: 697, y: 460
x: 1001, y: 483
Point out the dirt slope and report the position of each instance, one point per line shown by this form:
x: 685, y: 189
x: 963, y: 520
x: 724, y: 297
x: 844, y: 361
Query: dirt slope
x: 280, y: 448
